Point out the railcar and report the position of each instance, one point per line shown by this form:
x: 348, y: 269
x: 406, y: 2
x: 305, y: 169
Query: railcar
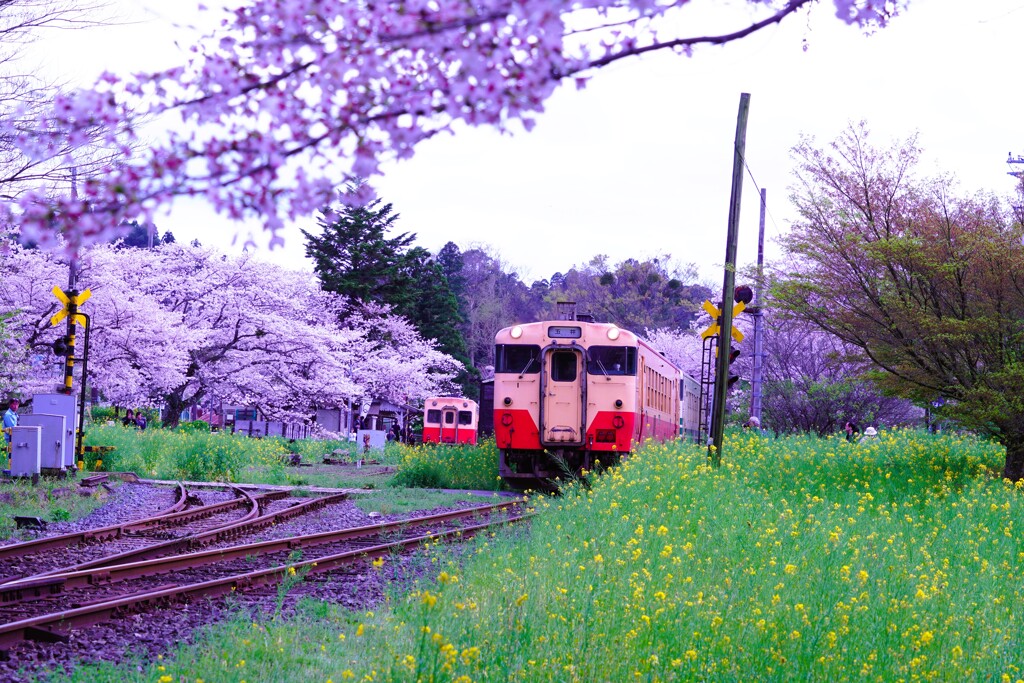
x: 572, y: 395
x: 450, y: 420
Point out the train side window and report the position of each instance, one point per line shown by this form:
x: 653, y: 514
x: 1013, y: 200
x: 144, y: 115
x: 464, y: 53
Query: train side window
x: 449, y: 418
x: 434, y: 417
x: 519, y: 359
x: 465, y: 417
x: 563, y: 366
x: 611, y: 360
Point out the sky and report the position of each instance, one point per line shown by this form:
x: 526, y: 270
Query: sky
x: 639, y: 164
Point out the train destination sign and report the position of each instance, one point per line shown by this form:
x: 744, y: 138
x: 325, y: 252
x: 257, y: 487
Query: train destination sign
x: 564, y: 332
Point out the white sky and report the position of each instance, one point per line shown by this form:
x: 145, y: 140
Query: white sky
x: 640, y: 162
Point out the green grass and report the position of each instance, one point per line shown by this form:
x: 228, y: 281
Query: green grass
x: 449, y: 467
x: 798, y: 559
x: 52, y: 500
x: 198, y: 455
x: 394, y: 501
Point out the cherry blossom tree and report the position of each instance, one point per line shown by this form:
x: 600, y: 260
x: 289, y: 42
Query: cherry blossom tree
x: 682, y: 347
x: 288, y: 101
x: 25, y: 98
x: 172, y: 325
x: 29, y: 365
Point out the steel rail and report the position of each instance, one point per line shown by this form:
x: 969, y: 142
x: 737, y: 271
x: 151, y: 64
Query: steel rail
x: 137, y: 528
x: 203, y: 511
x: 76, y: 537
x: 45, y: 627
x: 185, y: 543
x: 43, y: 586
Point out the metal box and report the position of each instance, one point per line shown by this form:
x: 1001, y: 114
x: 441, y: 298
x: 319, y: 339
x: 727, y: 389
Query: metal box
x: 52, y: 440
x: 60, y: 404
x: 25, y: 450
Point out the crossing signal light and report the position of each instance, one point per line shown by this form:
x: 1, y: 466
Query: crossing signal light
x: 743, y: 294
x: 61, y: 347
x: 733, y: 355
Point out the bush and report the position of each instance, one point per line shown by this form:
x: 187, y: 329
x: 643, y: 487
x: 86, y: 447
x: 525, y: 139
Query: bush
x: 448, y: 467
x: 101, y: 414
x: 421, y: 474
x: 194, y: 426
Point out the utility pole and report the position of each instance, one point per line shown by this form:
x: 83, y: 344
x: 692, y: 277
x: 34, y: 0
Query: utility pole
x: 758, y: 371
x: 729, y: 284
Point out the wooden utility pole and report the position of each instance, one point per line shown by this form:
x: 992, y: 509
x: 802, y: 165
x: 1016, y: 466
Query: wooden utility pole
x: 729, y: 285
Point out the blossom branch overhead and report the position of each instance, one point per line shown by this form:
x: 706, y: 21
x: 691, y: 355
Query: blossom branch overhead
x: 286, y: 102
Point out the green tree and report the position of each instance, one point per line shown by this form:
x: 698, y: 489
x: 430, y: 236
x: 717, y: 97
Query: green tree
x: 925, y: 284
x: 353, y: 256
x: 633, y: 294
x: 435, y: 314
x: 143, y: 236
x: 495, y: 298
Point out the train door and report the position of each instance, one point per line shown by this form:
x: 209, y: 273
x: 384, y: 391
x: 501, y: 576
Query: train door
x: 563, y: 400
x: 449, y: 425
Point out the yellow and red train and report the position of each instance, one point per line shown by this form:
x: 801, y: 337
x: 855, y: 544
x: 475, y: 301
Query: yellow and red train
x: 450, y: 420
x: 572, y: 395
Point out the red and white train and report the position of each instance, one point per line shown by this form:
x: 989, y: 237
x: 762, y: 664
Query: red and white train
x: 573, y: 395
x: 450, y: 420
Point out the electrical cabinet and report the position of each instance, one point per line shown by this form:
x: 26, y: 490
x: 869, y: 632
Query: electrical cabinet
x: 66, y: 405
x: 26, y: 442
x: 53, y: 438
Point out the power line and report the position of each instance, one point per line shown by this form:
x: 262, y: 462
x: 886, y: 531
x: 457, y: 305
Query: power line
x: 750, y: 173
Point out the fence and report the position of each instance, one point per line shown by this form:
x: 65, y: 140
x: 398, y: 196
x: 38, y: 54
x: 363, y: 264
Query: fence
x: 261, y: 428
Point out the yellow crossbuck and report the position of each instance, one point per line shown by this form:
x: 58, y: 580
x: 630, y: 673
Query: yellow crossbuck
x: 714, y: 328
x: 66, y: 300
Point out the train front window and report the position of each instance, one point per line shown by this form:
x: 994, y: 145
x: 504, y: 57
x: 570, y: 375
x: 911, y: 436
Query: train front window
x: 518, y: 359
x: 465, y: 417
x: 434, y: 417
x: 611, y: 360
x: 563, y: 366
x: 449, y: 418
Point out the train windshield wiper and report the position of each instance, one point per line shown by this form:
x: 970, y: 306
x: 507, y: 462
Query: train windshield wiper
x: 528, y: 364
x: 604, y: 371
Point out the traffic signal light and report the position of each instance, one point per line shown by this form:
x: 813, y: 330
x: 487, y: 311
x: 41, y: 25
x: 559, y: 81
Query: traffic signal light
x: 733, y: 355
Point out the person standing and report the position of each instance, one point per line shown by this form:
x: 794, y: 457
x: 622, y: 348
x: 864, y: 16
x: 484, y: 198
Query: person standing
x: 870, y: 434
x: 129, y: 418
x: 852, y: 430
x: 10, y: 421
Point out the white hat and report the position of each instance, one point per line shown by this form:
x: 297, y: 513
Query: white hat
x: 870, y: 431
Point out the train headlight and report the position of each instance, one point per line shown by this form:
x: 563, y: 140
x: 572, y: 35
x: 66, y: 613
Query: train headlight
x: 618, y: 403
x: 516, y: 332
x: 613, y: 333
x: 507, y: 400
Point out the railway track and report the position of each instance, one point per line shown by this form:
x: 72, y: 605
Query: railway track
x: 162, y: 533
x: 45, y: 608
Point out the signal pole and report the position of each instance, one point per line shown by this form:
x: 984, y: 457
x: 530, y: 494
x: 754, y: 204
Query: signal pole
x: 758, y: 370
x: 729, y: 285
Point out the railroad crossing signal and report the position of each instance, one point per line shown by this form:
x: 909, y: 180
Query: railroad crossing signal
x: 71, y: 302
x: 716, y: 314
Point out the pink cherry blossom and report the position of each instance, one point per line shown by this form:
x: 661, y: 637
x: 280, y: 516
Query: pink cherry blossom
x: 289, y: 101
